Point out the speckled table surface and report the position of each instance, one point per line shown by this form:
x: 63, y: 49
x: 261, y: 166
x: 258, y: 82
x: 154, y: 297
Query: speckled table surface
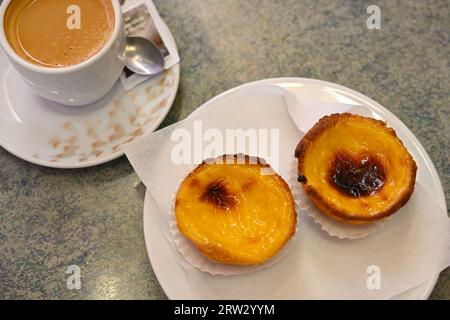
x: 50, y: 219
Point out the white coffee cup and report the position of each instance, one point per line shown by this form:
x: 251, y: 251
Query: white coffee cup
x: 79, y: 84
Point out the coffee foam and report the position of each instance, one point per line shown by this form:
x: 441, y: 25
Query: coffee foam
x: 37, y: 30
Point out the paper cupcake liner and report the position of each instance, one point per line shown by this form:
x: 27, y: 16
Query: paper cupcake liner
x: 188, y: 252
x: 332, y: 227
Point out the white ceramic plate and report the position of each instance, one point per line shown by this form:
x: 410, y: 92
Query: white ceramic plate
x: 173, y: 278
x: 53, y: 135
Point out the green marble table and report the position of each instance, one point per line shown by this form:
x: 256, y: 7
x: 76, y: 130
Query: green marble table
x: 50, y: 219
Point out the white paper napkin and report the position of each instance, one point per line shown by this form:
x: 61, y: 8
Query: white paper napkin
x: 305, y: 111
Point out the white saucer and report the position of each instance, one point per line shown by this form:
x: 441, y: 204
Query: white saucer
x: 53, y: 135
x: 174, y: 279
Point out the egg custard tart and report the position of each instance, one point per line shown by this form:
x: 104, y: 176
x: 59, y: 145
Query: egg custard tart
x: 355, y: 169
x: 236, y: 210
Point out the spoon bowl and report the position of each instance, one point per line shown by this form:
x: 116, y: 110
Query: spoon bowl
x: 143, y: 57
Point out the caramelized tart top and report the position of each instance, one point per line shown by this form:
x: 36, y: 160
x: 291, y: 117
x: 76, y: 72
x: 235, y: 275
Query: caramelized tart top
x: 236, y: 210
x: 355, y: 169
